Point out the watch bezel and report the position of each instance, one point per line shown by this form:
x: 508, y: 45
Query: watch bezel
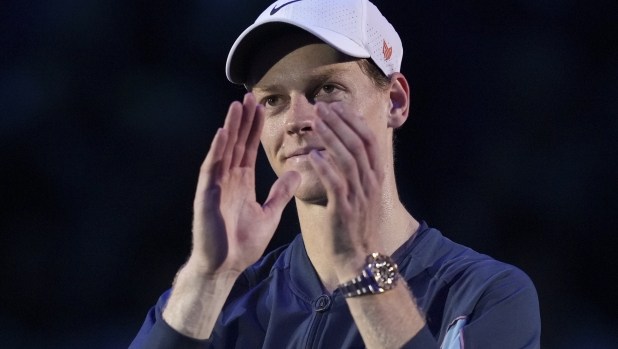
x: 380, y: 275
x: 384, y: 271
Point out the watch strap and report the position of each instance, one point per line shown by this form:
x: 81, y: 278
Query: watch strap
x: 361, y: 285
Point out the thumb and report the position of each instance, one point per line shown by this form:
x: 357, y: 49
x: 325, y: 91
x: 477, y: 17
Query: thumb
x: 280, y: 193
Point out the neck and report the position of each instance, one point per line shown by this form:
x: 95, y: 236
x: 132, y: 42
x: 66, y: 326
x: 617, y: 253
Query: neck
x: 396, y: 226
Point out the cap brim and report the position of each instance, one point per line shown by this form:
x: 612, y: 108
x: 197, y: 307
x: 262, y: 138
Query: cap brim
x: 238, y: 60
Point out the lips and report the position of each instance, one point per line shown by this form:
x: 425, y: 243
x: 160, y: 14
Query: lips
x: 302, y: 151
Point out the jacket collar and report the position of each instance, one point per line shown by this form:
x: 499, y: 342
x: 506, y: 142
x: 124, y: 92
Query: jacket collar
x: 412, y: 257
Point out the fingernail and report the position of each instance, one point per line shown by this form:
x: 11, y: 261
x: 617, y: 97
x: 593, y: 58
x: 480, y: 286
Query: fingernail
x: 316, y: 153
x: 323, y: 109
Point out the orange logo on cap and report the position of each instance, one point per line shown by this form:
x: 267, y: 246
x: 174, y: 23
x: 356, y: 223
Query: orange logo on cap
x: 388, y: 51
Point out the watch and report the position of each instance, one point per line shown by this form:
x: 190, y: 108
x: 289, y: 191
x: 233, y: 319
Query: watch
x: 380, y: 275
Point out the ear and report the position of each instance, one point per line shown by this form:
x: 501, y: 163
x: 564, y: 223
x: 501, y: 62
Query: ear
x: 400, y: 100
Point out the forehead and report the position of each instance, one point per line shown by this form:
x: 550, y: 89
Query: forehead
x: 294, y: 56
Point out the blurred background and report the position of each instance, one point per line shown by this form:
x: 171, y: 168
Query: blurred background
x: 107, y: 109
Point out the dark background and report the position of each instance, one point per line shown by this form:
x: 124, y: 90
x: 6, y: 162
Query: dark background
x: 107, y: 108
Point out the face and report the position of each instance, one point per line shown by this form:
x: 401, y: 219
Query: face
x: 303, y: 72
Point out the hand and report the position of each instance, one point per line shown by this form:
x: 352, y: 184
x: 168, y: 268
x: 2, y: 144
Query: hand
x: 230, y: 229
x: 352, y: 174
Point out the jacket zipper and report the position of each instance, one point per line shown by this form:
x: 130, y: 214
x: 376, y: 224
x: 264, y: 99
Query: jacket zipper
x: 321, y: 306
x: 313, y: 329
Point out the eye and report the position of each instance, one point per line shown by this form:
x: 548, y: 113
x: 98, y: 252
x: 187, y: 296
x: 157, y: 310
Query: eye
x: 272, y: 101
x: 328, y: 89
x: 327, y: 92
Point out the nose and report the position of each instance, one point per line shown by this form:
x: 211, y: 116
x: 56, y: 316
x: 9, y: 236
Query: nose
x: 299, y: 116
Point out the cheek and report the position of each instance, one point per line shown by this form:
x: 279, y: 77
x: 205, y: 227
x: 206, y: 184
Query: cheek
x: 370, y: 97
x: 271, y: 139
x: 374, y: 106
x: 271, y: 129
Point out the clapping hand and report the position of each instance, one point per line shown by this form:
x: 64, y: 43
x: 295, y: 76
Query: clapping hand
x: 230, y: 229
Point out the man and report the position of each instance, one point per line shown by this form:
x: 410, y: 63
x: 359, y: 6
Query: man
x: 326, y: 95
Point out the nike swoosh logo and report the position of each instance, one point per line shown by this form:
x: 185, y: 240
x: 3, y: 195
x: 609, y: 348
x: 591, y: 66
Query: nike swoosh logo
x: 276, y: 9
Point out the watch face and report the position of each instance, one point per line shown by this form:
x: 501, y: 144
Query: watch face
x: 384, y: 270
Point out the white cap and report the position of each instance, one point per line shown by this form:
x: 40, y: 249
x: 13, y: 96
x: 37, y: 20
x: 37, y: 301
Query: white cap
x: 354, y: 27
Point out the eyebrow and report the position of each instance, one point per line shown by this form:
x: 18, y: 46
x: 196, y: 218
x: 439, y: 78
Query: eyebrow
x: 327, y: 74
x: 269, y: 88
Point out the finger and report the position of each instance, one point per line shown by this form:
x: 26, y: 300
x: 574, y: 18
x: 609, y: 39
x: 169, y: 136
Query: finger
x: 332, y: 180
x: 339, y: 154
x: 232, y: 123
x: 280, y: 194
x: 253, y: 140
x: 370, y: 146
x: 246, y: 123
x: 211, y: 167
x: 334, y: 118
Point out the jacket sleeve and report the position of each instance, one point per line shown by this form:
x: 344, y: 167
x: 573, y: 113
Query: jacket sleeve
x: 422, y: 340
x: 506, y: 316
x: 157, y: 334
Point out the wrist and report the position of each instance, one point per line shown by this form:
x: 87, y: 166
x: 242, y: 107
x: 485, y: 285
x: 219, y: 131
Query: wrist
x: 348, y: 265
x: 196, y: 300
x: 195, y: 270
x: 348, y: 268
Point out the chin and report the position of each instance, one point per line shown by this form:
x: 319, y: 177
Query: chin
x: 311, y: 191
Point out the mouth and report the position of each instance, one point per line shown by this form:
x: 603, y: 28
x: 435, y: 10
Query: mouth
x: 303, y: 153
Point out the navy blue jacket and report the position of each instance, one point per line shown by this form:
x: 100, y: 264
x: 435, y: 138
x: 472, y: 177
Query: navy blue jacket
x: 470, y: 301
